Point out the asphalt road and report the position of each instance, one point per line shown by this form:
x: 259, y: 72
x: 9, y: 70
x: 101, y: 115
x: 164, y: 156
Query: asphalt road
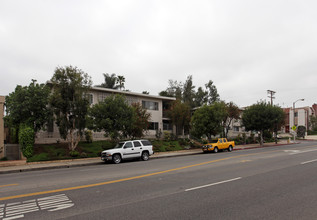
x: 264, y: 183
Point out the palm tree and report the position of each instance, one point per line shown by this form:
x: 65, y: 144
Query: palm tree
x: 110, y: 81
x: 121, y: 81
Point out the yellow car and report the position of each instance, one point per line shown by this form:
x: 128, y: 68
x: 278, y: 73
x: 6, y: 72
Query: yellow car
x: 219, y: 144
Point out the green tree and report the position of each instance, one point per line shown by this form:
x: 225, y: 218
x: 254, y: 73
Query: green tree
x: 201, y: 97
x: 212, y: 92
x: 232, y: 112
x: 174, y: 89
x: 28, y: 105
x: 189, y: 92
x: 121, y: 81
x: 26, y: 140
x: 261, y: 117
x: 113, y: 116
x: 313, y: 122
x: 179, y: 113
x: 110, y: 81
x: 141, y: 121
x: 70, y: 103
x: 207, y: 120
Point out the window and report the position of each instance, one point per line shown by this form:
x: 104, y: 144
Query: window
x: 235, y: 128
x: 146, y: 143
x: 150, y: 105
x: 220, y: 140
x: 128, y: 145
x: 296, y: 114
x: 224, y: 141
x: 136, y: 144
x: 153, y: 126
x: 167, y: 125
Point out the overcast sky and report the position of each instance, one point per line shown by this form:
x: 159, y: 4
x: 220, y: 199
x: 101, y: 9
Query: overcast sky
x: 246, y: 47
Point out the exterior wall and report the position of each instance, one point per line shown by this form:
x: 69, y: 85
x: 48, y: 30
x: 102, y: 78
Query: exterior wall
x: 301, y: 117
x: 98, y: 95
x: 2, y: 153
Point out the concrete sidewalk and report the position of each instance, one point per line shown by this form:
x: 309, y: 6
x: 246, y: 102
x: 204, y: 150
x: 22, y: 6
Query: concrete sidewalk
x: 22, y: 165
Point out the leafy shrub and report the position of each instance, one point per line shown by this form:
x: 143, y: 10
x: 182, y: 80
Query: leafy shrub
x: 88, y: 136
x: 74, y: 153
x: 26, y: 140
x: 301, y: 130
x: 83, y: 155
x: 4, y: 159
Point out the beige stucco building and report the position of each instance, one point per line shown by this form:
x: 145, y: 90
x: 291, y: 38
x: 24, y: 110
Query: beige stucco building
x: 155, y: 105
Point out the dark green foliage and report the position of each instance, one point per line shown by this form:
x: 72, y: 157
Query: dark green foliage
x: 110, y: 81
x: 140, y: 121
x: 313, y: 122
x: 70, y: 103
x: 74, y: 153
x: 207, y: 120
x: 88, y: 136
x: 261, y: 117
x: 180, y: 115
x: 26, y: 140
x: 28, y: 105
x: 301, y: 130
x: 114, y: 116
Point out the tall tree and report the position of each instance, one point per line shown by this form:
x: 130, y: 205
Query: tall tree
x: 174, y: 89
x: 232, y: 112
x: 261, y: 117
x: 213, y: 95
x: 141, y: 122
x: 28, y: 105
x: 70, y: 103
x: 207, y: 120
x: 113, y: 116
x: 110, y: 81
x: 179, y: 113
x: 201, y: 97
x: 189, y: 92
x: 121, y: 81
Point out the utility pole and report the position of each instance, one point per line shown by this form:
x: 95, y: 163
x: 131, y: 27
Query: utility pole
x: 271, y: 95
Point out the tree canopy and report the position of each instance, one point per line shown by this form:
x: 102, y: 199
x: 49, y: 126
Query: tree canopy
x: 261, y: 117
x: 28, y: 105
x: 114, y: 116
x: 69, y: 101
x: 207, y: 120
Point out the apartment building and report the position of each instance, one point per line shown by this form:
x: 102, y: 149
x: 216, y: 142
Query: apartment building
x: 155, y: 105
x: 297, y: 117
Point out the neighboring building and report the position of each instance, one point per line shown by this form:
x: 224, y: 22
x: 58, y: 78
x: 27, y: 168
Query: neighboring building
x: 2, y: 99
x: 155, y: 105
x: 298, y: 117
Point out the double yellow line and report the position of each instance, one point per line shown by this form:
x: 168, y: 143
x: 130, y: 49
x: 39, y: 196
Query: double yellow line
x: 119, y: 180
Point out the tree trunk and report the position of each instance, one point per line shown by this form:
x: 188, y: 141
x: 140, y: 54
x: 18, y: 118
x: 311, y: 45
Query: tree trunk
x: 261, y: 138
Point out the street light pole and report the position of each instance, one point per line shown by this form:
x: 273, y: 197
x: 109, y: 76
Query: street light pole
x: 294, y: 116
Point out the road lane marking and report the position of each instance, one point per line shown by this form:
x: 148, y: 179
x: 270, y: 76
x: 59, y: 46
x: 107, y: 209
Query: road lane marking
x: 310, y: 161
x: 212, y: 184
x: 51, y: 204
x: 14, y: 184
x: 127, y: 179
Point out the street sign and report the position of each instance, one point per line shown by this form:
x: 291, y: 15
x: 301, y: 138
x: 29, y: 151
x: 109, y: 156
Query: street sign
x: 294, y: 128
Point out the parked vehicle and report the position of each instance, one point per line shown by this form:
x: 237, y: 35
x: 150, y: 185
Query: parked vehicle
x: 218, y: 144
x: 128, y: 150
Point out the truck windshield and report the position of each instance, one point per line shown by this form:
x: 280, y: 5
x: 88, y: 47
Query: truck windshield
x: 119, y: 145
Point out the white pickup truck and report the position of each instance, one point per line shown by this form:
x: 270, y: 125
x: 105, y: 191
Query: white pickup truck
x: 128, y: 150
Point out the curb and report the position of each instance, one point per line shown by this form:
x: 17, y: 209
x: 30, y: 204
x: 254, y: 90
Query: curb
x: 100, y: 163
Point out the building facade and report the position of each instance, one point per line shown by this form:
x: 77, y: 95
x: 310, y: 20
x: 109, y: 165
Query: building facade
x: 298, y: 117
x: 155, y: 105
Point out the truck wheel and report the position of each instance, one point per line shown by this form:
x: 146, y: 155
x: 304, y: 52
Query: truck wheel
x: 116, y: 158
x: 145, y: 156
x: 230, y: 148
x: 215, y: 149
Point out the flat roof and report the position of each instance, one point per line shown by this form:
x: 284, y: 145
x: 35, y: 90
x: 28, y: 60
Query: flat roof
x: 131, y: 93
